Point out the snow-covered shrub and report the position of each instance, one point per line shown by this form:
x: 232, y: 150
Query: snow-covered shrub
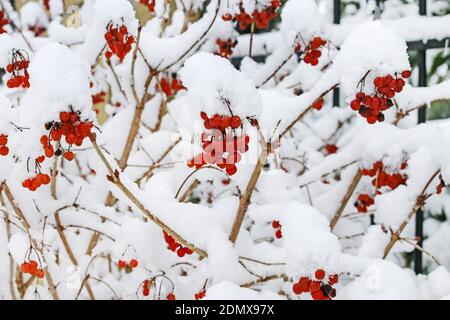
x: 139, y: 159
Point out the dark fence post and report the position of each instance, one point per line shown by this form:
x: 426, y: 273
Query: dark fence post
x: 422, y: 117
x: 336, y: 20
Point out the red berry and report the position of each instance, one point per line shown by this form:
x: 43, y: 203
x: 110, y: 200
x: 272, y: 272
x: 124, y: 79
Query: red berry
x: 133, y: 263
x: 4, y: 150
x: 235, y: 122
x: 40, y: 273
x: 69, y: 155
x: 320, y: 274
x: 278, y: 234
x: 276, y: 224
x: 171, y: 296
x: 3, y: 140
x: 121, y: 264
x: 333, y: 279
x: 406, y: 74
x: 297, y: 288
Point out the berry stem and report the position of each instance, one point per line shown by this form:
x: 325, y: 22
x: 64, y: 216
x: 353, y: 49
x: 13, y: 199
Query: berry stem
x: 73, y: 259
x: 22, y: 218
x: 351, y: 188
x: 420, y: 201
x: 140, y: 206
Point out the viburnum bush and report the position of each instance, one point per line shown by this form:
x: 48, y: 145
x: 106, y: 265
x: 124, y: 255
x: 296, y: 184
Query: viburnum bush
x: 192, y: 150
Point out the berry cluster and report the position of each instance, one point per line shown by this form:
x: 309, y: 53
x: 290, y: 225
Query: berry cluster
x: 3, y: 22
x: 260, y: 18
x: 221, y: 145
x: 363, y: 202
x: 146, y: 287
x: 318, y: 288
x: 381, y: 178
x: 372, y: 106
x: 170, y: 85
x: 98, y: 97
x: 174, y: 246
x: 71, y: 128
x: 133, y: 263
x: 36, y: 182
x: 150, y: 4
x: 277, y: 226
x: 31, y: 267
x: 200, y: 295
x: 119, y: 41
x: 19, y: 70
x: 4, y: 150
x: 225, y: 47
x: 312, y: 51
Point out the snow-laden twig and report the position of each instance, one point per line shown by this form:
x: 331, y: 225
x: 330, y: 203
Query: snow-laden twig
x: 141, y: 207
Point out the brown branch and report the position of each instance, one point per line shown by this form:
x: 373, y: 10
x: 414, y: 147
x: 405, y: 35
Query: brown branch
x: 200, y: 39
x: 141, y: 207
x: 351, y: 188
x: 133, y: 65
x: 245, y: 200
x: 26, y: 225
x: 60, y: 230
x: 276, y: 70
x: 304, y: 112
x: 189, y: 191
x: 415, y: 245
x: 265, y: 279
x: 158, y: 161
x: 54, y: 174
x: 116, y: 79
x: 420, y: 201
x: 11, y: 260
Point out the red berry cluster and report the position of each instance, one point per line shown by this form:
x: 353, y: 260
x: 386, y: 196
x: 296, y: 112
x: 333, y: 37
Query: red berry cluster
x: 372, y: 106
x: 312, y: 51
x: 36, y: 182
x: 261, y: 18
x: 3, y: 22
x: 277, y: 226
x: 4, y: 150
x: 221, y: 145
x: 146, y: 287
x: 71, y: 128
x: 174, y: 246
x: 149, y: 3
x: 318, y: 288
x: 19, y: 70
x: 133, y: 263
x: 31, y: 267
x: 170, y: 85
x: 200, y: 295
x: 119, y: 41
x: 363, y: 202
x: 225, y: 47
x: 98, y: 97
x: 381, y: 178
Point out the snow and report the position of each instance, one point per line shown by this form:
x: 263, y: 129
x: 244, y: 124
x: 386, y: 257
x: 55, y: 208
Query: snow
x: 302, y: 185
